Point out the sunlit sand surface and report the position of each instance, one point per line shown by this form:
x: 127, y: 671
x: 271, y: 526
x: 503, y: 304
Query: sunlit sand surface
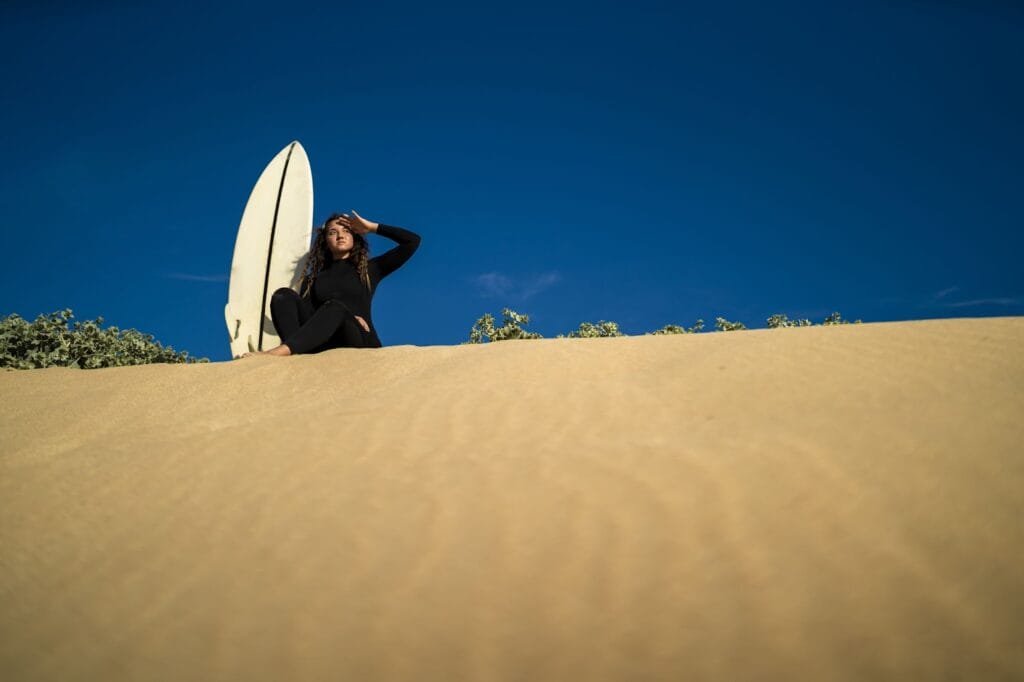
x: 817, y: 503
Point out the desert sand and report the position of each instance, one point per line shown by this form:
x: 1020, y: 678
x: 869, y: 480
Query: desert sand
x: 818, y: 503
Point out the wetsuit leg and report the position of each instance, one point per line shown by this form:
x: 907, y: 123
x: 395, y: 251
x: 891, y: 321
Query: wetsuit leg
x: 350, y: 335
x: 289, y: 311
x: 331, y: 326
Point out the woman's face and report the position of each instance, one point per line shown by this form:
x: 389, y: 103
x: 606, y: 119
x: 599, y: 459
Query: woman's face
x: 339, y: 239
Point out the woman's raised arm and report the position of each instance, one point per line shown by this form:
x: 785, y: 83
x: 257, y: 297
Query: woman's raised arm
x: 391, y: 260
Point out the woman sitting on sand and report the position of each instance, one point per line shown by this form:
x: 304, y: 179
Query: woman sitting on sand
x: 337, y: 288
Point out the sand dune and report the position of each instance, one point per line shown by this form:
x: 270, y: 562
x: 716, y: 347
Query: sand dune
x: 814, y: 503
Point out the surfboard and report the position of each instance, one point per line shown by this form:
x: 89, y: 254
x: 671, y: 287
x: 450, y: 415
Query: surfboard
x: 270, y: 249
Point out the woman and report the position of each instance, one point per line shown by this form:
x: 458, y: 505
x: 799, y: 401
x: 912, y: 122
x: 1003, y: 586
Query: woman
x: 333, y: 310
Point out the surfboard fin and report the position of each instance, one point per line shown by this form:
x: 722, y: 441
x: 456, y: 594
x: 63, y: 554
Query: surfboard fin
x: 228, y: 317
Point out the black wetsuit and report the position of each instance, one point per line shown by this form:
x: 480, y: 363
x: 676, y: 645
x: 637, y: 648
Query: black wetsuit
x: 326, y: 317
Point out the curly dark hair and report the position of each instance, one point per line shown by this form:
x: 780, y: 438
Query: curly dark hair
x: 320, y: 257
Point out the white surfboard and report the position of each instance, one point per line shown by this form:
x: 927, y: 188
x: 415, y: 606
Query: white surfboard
x: 271, y: 248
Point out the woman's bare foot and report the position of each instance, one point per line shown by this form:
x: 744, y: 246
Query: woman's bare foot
x: 281, y: 351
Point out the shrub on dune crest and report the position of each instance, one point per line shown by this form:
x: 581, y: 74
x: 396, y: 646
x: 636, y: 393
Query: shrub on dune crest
x: 484, y: 330
x: 676, y: 329
x: 512, y: 328
x: 836, y: 318
x: 50, y: 341
x: 776, y: 321
x: 724, y: 325
x: 588, y: 330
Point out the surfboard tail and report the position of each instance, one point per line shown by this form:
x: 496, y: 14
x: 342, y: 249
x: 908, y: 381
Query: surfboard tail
x: 234, y: 322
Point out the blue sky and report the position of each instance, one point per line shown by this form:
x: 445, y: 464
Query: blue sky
x: 647, y: 163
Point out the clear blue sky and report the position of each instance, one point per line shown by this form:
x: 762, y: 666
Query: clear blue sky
x: 647, y: 163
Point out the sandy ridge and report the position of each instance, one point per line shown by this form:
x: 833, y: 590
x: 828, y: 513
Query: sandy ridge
x: 838, y: 503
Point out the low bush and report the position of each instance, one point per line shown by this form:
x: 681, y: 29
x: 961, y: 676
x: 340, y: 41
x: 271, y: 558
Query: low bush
x: 513, y: 327
x: 52, y: 340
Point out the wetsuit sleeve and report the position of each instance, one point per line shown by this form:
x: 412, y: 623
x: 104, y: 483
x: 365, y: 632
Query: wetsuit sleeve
x: 408, y: 242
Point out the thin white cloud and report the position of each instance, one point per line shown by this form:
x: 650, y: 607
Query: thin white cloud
x: 493, y: 284
x: 539, y: 283
x: 500, y: 285
x: 941, y: 299
x: 1005, y: 300
x: 196, y: 278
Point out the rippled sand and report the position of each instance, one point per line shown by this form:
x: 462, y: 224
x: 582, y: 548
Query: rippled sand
x: 815, y: 503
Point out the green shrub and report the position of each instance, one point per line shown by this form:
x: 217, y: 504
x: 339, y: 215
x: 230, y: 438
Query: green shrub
x: 484, y: 329
x: 676, y: 329
x: 512, y: 328
x: 836, y: 318
x: 724, y: 325
x: 50, y: 341
x: 778, y: 320
x: 593, y: 331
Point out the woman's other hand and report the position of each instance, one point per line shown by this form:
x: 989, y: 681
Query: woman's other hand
x: 362, y: 323
x: 360, y: 225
